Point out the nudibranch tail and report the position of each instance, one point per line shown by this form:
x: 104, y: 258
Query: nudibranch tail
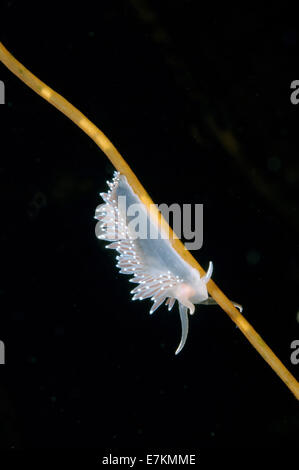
x: 160, y: 273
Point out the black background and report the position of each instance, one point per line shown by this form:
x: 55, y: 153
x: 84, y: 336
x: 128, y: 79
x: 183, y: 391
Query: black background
x: 85, y: 366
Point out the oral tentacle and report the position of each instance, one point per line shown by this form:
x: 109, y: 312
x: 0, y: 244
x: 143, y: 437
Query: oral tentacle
x: 185, y: 326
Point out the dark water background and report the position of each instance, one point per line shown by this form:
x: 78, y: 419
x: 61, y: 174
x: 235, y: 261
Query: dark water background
x: 85, y: 366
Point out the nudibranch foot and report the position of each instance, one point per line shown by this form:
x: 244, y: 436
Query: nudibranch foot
x: 211, y: 301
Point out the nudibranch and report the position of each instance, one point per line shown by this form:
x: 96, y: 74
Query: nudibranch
x: 160, y: 272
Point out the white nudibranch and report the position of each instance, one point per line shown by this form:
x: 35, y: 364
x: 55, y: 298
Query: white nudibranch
x: 160, y: 272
